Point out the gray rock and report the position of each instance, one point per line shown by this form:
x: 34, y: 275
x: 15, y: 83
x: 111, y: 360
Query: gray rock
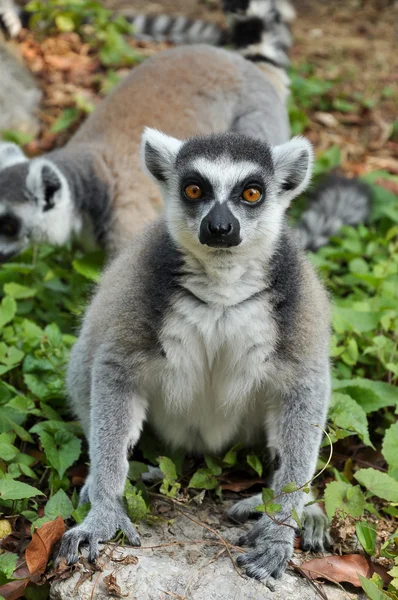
x: 19, y: 94
x: 197, y: 569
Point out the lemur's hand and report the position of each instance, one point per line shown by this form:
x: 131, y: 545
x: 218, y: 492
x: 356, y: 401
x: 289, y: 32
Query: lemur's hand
x: 272, y: 549
x: 100, y: 525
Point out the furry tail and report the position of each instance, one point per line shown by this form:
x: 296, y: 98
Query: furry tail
x: 258, y: 29
x: 337, y: 201
x: 176, y: 29
x: 10, y: 21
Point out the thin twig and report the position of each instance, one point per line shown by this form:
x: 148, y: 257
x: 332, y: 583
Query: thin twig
x: 214, y: 532
x: 99, y: 574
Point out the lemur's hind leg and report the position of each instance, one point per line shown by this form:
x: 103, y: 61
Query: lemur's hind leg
x: 315, y: 534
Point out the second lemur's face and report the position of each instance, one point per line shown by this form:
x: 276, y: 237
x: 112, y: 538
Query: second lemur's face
x: 226, y: 192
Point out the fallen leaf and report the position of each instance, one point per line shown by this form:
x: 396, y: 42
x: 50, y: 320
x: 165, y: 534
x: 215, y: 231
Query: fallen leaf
x: 14, y: 589
x: 43, y: 541
x: 112, y: 586
x: 240, y: 486
x: 338, y: 568
x: 5, y: 529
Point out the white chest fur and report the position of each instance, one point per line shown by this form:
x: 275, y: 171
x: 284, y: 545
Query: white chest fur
x: 216, y: 355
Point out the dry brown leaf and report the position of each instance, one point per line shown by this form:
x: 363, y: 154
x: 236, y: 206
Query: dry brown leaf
x: 240, y: 486
x: 112, y: 586
x: 43, y: 541
x: 14, y: 589
x: 338, y: 568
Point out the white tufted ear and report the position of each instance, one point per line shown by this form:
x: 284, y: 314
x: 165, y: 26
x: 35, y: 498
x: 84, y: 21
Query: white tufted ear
x: 159, y: 152
x: 46, y: 183
x: 10, y: 154
x: 293, y: 167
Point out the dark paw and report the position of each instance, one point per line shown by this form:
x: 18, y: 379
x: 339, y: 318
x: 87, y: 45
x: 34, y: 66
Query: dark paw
x: 100, y: 525
x: 315, y: 534
x: 271, y: 549
x: 266, y: 561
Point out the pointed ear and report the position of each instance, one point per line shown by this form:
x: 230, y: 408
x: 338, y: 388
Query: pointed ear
x: 44, y: 182
x: 293, y: 167
x: 10, y: 154
x: 159, y: 152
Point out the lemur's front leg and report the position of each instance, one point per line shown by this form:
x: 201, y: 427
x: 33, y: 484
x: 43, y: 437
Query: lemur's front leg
x: 117, y: 416
x: 295, y: 436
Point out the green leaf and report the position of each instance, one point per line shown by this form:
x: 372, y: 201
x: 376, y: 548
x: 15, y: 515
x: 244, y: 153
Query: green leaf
x: 347, y: 414
x: 7, y: 451
x: 67, y: 118
x: 255, y: 463
x: 16, y: 490
x: 203, y: 479
x: 231, y: 456
x: 267, y: 495
x: 18, y: 291
x: 296, y: 518
x: 136, y: 507
x: 348, y: 319
x: 382, y: 394
x: 8, y: 308
x: 371, y: 589
x: 167, y: 467
x: 90, y: 266
x: 81, y: 512
x: 136, y: 469
x: 62, y: 449
x: 58, y: 506
x: 341, y: 496
x: 65, y: 22
x: 380, y: 484
x: 8, y: 564
x: 213, y: 465
x: 290, y: 487
x: 271, y: 508
x: 366, y: 534
x: 390, y: 446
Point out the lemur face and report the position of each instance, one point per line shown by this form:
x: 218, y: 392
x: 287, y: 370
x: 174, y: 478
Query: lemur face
x: 226, y: 192
x: 32, y: 193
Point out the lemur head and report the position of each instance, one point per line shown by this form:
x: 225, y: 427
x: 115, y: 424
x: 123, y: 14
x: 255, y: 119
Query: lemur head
x: 35, y: 203
x: 226, y: 192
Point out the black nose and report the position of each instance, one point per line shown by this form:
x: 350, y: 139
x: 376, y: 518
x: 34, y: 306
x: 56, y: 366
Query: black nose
x: 220, y: 228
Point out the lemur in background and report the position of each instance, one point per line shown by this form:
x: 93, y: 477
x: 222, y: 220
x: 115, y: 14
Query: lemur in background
x: 93, y: 188
x: 213, y: 327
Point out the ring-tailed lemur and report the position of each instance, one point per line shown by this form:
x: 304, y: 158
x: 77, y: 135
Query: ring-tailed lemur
x: 94, y: 189
x: 214, y: 328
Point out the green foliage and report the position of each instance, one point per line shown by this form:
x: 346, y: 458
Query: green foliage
x: 366, y: 534
x: 378, y: 483
x: 42, y: 296
x: 135, y: 503
x: 170, y: 485
x: 344, y: 498
x: 96, y: 24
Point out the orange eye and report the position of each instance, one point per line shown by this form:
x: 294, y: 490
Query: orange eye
x: 193, y: 191
x: 251, y: 194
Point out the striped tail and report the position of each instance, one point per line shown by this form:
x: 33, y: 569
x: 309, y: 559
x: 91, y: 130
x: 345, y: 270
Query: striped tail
x: 337, y: 201
x: 257, y: 29
x: 176, y: 29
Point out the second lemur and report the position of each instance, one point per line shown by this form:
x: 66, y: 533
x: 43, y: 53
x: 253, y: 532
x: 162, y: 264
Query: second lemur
x: 214, y: 328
